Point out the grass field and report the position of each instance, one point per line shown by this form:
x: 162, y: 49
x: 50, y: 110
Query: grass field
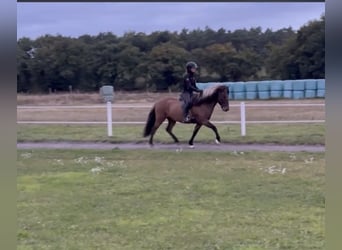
x: 267, y: 133
x: 86, y: 199
x: 142, y: 199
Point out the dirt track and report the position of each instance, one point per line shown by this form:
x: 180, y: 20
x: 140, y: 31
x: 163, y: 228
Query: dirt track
x: 184, y: 147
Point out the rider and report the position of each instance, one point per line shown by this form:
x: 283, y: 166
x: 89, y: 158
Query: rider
x: 189, y: 85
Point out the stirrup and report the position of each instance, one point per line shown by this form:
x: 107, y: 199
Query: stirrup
x: 187, y: 119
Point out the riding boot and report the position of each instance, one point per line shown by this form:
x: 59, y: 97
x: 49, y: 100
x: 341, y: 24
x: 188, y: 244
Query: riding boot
x: 186, y: 107
x: 186, y: 117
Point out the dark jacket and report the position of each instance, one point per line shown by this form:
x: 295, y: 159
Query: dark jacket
x: 189, y: 84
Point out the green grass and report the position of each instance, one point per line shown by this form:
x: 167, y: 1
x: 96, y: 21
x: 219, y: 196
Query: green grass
x: 281, y: 134
x: 85, y: 199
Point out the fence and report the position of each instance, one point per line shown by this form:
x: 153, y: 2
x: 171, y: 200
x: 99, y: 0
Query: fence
x: 242, y: 106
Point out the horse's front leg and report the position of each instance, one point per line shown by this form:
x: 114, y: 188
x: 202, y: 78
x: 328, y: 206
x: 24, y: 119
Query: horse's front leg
x: 213, y: 127
x: 194, y: 133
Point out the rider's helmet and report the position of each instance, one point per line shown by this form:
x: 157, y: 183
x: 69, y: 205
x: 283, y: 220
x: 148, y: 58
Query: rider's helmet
x: 190, y: 65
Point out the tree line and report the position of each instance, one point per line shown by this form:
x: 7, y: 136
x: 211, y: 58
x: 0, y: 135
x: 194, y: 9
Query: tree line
x: 155, y: 62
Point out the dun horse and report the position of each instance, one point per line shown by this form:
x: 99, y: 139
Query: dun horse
x: 203, y: 106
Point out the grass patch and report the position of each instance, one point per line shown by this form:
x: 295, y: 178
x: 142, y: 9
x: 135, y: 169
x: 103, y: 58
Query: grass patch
x: 85, y: 199
x: 275, y: 133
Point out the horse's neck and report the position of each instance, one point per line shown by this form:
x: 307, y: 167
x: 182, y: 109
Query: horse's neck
x: 210, y: 105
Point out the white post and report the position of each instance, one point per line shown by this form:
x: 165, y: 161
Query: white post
x: 109, y: 119
x: 243, y: 118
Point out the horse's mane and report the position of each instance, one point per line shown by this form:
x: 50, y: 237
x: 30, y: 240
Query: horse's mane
x: 209, y: 94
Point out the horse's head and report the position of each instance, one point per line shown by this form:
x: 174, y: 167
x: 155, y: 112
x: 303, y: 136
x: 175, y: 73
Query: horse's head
x: 213, y: 95
x: 222, y: 99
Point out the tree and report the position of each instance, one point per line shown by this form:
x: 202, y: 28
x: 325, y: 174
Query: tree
x: 301, y: 56
x: 310, y: 52
x: 281, y: 63
x: 25, y: 53
x: 128, y: 60
x: 166, y: 66
x: 220, y: 59
x: 137, y: 61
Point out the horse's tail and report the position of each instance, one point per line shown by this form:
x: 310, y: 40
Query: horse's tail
x: 150, y: 122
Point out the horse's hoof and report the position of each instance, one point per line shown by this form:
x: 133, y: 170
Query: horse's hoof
x: 191, y: 146
x: 151, y: 145
x: 217, y: 142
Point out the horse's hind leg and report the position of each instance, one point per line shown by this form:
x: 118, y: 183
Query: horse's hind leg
x: 194, y: 133
x: 213, y: 127
x: 169, y: 128
x: 159, y: 121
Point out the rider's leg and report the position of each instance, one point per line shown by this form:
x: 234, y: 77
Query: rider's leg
x: 185, y: 109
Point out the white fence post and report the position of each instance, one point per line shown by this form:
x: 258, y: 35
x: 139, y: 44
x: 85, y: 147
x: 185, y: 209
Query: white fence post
x: 243, y: 118
x: 109, y: 119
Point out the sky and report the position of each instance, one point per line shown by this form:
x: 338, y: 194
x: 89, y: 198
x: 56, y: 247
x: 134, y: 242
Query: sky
x: 76, y: 19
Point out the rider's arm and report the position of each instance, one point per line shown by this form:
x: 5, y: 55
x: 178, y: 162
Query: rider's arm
x: 188, y: 84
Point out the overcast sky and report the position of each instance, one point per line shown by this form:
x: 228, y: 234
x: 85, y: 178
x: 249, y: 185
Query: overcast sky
x: 76, y: 19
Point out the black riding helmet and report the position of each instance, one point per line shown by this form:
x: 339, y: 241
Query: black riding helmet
x: 190, y: 65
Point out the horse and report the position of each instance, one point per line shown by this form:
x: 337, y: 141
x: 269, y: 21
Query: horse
x: 170, y: 108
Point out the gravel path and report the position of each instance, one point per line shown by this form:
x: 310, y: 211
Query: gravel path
x: 198, y: 146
